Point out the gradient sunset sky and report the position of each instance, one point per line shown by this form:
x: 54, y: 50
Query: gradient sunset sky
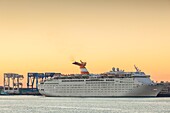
x: 48, y: 35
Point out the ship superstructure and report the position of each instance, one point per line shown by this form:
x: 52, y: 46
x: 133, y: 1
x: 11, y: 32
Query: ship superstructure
x: 109, y: 84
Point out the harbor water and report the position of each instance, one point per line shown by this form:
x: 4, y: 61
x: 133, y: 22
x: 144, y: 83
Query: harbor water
x: 40, y: 104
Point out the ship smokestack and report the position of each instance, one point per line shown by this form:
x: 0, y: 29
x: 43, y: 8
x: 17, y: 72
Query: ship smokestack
x: 82, y: 66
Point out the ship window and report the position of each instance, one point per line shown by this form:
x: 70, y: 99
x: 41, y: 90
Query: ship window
x: 110, y: 80
x: 95, y: 80
x: 72, y: 80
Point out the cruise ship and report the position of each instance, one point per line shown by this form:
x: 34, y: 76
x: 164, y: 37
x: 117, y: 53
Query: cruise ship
x: 115, y: 83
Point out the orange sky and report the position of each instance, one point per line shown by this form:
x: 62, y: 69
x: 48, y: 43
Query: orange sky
x: 46, y: 36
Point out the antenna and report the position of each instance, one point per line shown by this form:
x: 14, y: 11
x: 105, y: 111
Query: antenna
x: 137, y: 69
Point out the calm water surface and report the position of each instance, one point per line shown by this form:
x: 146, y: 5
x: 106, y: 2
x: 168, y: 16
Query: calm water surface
x: 40, y: 104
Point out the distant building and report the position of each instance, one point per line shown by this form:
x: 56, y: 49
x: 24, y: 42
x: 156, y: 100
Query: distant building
x: 166, y: 90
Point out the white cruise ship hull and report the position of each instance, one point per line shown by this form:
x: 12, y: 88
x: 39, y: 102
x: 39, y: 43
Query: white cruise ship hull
x: 137, y: 91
